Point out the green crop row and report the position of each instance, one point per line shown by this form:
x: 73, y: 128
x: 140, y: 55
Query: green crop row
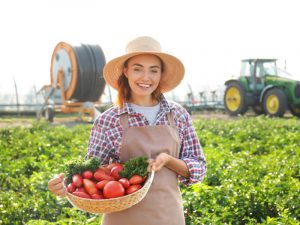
x: 253, y: 173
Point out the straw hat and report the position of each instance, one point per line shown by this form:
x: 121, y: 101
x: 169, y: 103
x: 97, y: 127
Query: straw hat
x: 173, y: 71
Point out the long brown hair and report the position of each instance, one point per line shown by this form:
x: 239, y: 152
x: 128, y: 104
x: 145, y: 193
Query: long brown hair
x: 124, y: 91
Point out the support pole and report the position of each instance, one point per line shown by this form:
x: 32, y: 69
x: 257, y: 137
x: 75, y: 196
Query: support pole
x: 17, y: 97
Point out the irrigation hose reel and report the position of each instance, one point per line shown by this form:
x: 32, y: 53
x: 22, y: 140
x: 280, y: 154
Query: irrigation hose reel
x: 78, y: 73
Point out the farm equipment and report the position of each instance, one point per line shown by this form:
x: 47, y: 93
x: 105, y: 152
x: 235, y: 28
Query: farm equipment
x: 77, y: 81
x: 263, y: 87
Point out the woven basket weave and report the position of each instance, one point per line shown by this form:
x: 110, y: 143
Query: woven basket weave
x: 99, y: 206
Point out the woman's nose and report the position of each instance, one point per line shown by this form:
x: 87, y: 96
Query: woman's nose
x: 146, y: 76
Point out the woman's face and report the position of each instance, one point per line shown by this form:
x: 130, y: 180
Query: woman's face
x: 143, y: 73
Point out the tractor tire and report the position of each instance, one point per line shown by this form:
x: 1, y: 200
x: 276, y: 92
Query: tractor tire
x: 275, y: 102
x: 258, y: 109
x: 235, y: 99
x: 295, y: 111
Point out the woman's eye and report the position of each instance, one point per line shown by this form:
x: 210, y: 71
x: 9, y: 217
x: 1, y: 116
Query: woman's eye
x: 154, y: 71
x: 136, y: 69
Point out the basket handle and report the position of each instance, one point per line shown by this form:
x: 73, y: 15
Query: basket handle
x: 151, y: 176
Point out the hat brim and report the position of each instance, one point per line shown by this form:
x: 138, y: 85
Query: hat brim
x: 171, y: 77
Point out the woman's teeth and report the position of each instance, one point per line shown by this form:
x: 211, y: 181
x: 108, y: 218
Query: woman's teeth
x: 144, y: 85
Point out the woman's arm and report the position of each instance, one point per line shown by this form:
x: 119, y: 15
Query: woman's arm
x: 191, y: 153
x: 191, y: 165
x: 177, y: 165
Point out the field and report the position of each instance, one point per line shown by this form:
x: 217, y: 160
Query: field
x: 253, y: 172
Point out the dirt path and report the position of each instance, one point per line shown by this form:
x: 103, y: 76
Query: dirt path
x: 28, y: 121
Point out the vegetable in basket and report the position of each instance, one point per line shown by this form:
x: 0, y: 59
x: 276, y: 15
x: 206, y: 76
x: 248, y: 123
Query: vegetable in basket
x: 109, y: 181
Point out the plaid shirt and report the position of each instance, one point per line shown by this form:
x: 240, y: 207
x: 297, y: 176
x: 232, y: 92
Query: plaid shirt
x: 106, y: 136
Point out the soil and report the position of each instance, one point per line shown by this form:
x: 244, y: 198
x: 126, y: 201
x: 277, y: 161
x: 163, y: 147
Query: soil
x: 9, y: 122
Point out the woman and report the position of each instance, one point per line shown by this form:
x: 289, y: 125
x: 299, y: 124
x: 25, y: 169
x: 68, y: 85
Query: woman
x: 144, y: 123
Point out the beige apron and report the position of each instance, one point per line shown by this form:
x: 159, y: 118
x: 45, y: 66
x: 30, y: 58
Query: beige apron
x: 162, y: 204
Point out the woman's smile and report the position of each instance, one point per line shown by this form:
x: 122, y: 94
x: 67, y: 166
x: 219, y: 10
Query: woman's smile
x: 142, y: 85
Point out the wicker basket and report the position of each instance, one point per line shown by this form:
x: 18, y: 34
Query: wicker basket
x: 99, y: 206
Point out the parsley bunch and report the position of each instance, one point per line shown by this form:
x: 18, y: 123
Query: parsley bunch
x: 78, y: 166
x: 135, y: 166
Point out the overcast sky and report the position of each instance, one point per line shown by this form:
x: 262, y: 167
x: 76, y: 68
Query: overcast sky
x: 210, y: 37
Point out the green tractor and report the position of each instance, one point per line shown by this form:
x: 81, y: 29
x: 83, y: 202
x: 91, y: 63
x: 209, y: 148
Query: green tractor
x: 263, y: 87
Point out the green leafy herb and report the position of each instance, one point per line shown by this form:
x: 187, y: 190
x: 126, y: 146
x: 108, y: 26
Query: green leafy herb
x: 77, y: 166
x: 137, y: 165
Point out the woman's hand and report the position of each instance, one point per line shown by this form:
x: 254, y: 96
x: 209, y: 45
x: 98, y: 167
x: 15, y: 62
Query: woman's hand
x: 56, y: 185
x: 163, y: 159
x: 159, y: 162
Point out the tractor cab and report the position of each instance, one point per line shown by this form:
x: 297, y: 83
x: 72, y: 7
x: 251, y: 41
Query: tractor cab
x: 258, y: 67
x: 254, y: 72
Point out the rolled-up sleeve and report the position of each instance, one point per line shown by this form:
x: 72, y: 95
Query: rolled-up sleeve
x: 192, y: 154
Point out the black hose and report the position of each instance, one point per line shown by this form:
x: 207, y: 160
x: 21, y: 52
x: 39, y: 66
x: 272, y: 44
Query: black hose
x: 90, y: 82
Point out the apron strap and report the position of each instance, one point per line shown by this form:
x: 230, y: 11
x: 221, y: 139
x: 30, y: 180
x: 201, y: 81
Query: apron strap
x: 124, y: 120
x: 171, y: 118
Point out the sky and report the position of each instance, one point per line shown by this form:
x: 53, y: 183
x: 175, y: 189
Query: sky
x: 210, y: 37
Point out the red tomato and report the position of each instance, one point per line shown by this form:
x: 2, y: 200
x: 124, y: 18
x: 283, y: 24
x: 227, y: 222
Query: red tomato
x: 113, y: 189
x: 71, y: 187
x: 87, y: 174
x: 103, y: 168
x: 77, y: 180
x: 80, y: 189
x: 133, y: 188
x: 136, y: 179
x: 100, y: 185
x: 124, y: 182
x: 98, y: 196
x: 110, y: 166
x: 115, y: 171
x: 101, y: 175
x: 81, y: 194
x: 90, y: 187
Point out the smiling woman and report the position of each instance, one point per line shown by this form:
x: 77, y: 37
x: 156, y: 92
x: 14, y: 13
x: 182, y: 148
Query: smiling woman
x: 140, y: 80
x: 144, y: 123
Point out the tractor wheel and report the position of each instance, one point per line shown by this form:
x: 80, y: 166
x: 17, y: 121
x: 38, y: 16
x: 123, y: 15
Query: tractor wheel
x: 235, y: 99
x: 295, y: 111
x: 258, y: 109
x: 275, y: 102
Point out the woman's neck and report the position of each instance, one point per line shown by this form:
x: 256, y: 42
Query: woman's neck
x: 143, y: 101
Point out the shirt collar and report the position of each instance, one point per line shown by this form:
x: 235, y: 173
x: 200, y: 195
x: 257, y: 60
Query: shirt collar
x: 164, y: 106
